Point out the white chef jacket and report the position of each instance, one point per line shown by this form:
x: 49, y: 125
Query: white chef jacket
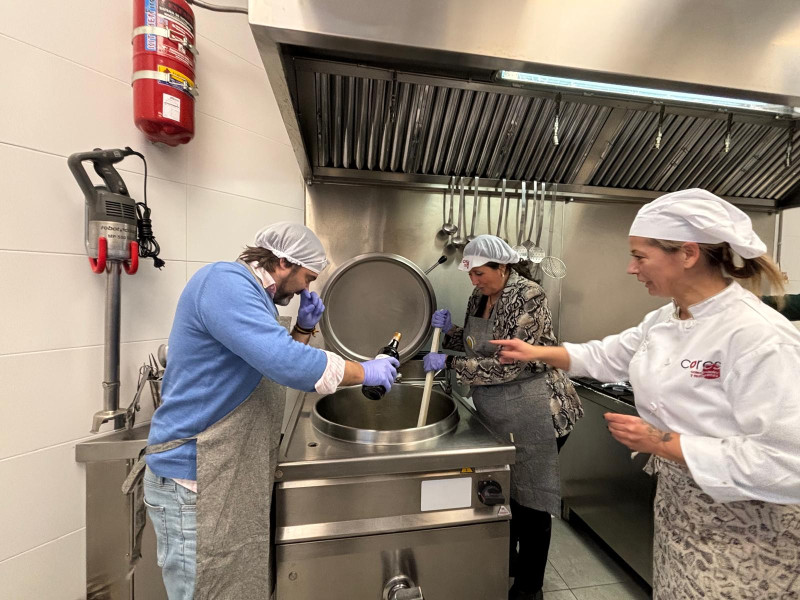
x: 726, y: 380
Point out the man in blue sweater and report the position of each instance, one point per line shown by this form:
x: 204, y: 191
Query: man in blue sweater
x: 213, y: 443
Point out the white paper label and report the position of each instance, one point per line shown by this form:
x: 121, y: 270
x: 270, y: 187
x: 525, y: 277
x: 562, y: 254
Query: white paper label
x: 171, y: 107
x: 444, y: 494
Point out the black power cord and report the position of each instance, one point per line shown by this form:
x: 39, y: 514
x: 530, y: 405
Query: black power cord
x: 148, y: 246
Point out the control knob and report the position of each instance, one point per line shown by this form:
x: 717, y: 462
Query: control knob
x: 490, y: 493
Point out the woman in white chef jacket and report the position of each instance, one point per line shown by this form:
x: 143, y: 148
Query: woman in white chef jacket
x: 715, y: 376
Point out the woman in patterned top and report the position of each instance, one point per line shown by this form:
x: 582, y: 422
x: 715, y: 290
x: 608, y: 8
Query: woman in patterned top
x: 532, y: 404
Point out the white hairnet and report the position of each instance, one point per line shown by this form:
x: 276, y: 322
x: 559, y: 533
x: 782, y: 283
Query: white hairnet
x: 294, y: 242
x: 698, y: 216
x: 484, y: 249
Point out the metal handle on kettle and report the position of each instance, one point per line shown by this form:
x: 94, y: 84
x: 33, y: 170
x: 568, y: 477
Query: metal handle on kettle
x: 414, y: 593
x: 402, y: 587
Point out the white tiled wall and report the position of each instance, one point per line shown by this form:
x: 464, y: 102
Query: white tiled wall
x: 67, y: 68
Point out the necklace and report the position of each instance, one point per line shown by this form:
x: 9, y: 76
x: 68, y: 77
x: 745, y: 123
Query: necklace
x: 492, y: 301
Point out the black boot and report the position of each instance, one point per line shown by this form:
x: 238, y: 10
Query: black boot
x: 517, y: 594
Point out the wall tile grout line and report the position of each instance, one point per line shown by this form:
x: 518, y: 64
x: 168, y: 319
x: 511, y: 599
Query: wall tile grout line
x: 199, y: 36
x: 266, y: 137
x: 35, y: 548
x: 237, y: 55
x: 201, y: 187
x: 80, y: 254
x: 39, y: 151
x: 118, y: 167
x: 128, y: 84
x: 69, y: 60
x: 70, y: 348
x: 71, y: 442
x: 150, y: 176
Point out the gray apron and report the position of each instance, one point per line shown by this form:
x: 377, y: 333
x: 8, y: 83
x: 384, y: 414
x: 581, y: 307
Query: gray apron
x: 236, y: 461
x: 520, y: 408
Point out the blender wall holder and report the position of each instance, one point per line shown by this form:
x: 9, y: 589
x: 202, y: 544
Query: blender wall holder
x: 110, y: 236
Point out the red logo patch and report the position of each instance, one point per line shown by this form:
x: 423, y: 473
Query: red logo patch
x: 711, y: 371
x: 702, y: 369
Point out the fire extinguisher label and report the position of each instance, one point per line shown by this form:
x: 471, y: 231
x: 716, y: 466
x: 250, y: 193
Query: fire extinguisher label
x: 178, y: 80
x: 150, y: 42
x: 174, y: 17
x: 171, y: 107
x: 174, y: 12
x: 175, y: 36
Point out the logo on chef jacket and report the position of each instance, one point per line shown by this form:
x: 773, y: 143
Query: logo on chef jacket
x: 702, y: 369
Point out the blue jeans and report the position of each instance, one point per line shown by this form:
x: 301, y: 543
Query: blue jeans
x: 172, y: 510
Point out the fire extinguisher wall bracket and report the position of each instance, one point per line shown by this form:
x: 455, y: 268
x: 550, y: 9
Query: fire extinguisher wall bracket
x: 99, y: 264
x: 166, y: 33
x: 169, y: 79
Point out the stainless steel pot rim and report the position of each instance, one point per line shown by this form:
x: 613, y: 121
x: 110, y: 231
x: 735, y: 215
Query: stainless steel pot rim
x: 389, y: 437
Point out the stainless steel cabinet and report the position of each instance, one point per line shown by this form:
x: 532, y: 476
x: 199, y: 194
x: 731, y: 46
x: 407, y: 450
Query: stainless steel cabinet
x: 110, y: 522
x: 605, y: 487
x: 447, y: 563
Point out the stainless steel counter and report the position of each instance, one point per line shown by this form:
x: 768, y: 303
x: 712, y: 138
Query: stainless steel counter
x: 119, y: 445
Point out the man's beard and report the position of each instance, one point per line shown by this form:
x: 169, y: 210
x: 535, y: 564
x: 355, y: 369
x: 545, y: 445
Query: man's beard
x: 283, y: 299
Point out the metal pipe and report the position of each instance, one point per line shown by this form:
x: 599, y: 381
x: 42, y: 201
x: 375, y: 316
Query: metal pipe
x: 112, y: 342
x: 218, y: 8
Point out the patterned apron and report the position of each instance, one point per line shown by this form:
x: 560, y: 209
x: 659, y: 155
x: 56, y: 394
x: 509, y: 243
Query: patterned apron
x: 521, y: 409
x: 236, y: 461
x: 746, y: 550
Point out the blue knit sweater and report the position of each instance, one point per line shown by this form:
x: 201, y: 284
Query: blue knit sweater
x: 225, y: 336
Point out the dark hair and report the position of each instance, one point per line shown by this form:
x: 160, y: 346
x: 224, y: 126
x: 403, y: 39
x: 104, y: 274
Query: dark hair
x: 522, y: 268
x: 752, y: 271
x: 265, y: 258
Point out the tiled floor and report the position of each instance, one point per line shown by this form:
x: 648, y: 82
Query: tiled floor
x: 579, y: 568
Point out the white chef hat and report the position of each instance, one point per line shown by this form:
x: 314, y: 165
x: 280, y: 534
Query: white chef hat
x: 698, y: 216
x: 484, y: 249
x: 294, y: 242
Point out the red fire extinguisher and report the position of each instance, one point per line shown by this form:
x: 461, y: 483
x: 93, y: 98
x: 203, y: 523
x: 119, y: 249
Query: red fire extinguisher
x: 163, y: 81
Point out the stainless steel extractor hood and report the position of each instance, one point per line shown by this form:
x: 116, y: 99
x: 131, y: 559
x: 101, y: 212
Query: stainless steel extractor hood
x: 407, y: 93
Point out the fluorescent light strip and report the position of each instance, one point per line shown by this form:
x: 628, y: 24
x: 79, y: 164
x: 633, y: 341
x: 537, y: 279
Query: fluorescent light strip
x: 650, y: 93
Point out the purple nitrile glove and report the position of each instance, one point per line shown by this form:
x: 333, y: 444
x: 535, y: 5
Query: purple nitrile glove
x: 434, y: 361
x: 380, y: 371
x: 441, y: 319
x: 310, y: 311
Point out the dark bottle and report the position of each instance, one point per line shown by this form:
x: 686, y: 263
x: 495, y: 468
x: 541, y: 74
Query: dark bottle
x: 376, y: 392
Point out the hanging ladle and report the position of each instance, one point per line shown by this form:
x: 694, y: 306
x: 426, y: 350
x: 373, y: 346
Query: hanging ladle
x: 522, y: 219
x: 536, y: 253
x: 448, y: 227
x: 503, y: 209
x: 460, y: 241
x: 475, y: 204
x: 528, y: 243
